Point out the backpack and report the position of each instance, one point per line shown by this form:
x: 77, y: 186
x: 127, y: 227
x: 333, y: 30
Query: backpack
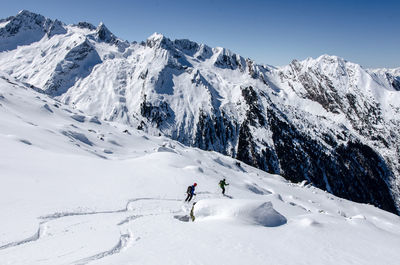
x: 189, y: 189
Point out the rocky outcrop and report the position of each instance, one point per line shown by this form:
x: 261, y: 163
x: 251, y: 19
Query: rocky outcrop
x: 160, y: 115
x: 26, y: 28
x: 78, y: 63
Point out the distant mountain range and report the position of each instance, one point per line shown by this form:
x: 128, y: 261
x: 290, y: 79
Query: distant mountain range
x: 326, y: 120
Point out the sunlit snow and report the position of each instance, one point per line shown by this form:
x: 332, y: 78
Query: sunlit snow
x: 76, y: 191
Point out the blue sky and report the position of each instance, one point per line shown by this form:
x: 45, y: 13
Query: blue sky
x: 271, y: 32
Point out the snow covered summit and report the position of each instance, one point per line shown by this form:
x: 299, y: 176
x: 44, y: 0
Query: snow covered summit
x: 326, y: 120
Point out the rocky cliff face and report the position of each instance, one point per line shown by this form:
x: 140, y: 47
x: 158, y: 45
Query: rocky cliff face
x: 324, y: 120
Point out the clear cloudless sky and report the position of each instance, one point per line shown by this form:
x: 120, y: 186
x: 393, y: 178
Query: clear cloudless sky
x: 270, y: 32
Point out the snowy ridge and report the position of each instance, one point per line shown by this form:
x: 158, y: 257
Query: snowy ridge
x: 108, y: 194
x: 26, y: 28
x: 390, y: 78
x: 324, y: 120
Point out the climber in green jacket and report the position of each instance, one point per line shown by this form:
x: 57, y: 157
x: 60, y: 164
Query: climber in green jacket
x: 222, y: 184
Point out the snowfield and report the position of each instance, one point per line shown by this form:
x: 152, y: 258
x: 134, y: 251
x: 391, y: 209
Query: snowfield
x: 76, y: 189
x: 325, y: 120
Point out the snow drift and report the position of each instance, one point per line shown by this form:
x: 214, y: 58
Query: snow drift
x: 247, y: 211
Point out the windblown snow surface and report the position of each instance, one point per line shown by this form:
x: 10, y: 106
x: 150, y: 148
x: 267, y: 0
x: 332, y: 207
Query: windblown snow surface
x: 79, y: 190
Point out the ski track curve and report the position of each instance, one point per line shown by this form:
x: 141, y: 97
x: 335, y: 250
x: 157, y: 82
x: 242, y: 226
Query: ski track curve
x: 39, y: 233
x: 52, y: 217
x: 58, y: 215
x: 123, y: 243
x: 130, y: 218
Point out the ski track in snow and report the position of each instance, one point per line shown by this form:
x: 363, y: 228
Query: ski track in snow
x: 122, y: 244
x: 130, y: 218
x: 126, y: 209
x: 125, y: 239
x: 40, y: 232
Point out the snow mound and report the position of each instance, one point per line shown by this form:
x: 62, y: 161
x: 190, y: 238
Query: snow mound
x: 47, y: 108
x: 247, y: 211
x: 306, y: 222
x: 78, y: 118
x: 196, y: 169
x: 95, y: 120
x: 77, y: 136
x: 25, y: 141
x: 257, y: 190
x: 165, y: 149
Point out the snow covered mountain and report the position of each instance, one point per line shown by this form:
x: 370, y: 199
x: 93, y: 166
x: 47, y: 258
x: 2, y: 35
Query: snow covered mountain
x: 325, y: 120
x: 76, y: 189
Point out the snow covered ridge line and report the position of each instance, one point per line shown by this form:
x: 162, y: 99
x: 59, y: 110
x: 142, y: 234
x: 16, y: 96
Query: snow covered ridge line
x: 325, y: 120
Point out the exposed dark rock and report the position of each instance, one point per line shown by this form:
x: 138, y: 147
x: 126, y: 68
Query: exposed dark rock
x: 85, y: 25
x: 227, y: 60
x: 365, y: 176
x: 353, y: 171
x: 215, y: 133
x: 396, y: 83
x: 161, y: 115
x: 187, y: 46
x: 55, y: 27
x: 255, y: 109
x: 104, y: 34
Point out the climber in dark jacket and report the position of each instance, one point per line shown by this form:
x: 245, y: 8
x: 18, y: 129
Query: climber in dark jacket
x: 190, y: 192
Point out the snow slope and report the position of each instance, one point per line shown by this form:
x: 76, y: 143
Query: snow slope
x: 81, y: 190
x: 325, y: 120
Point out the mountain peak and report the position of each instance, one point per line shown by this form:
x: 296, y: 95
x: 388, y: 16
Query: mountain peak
x: 29, y: 27
x: 101, y: 25
x: 330, y: 59
x: 104, y: 34
x: 27, y: 18
x: 158, y: 40
x: 156, y: 36
x: 324, y: 61
x: 25, y: 12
